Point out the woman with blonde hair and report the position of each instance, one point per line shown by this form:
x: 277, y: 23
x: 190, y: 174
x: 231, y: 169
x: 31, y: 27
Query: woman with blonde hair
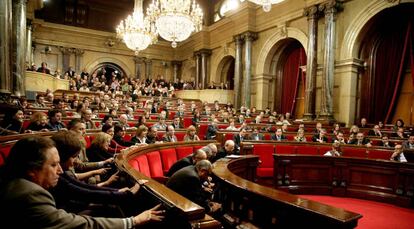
x: 191, y: 135
x: 300, y: 136
x: 38, y: 122
x: 99, y: 149
x: 140, y: 135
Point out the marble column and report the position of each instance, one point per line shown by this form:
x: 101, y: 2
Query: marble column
x: 5, y: 42
x: 238, y: 71
x: 29, y: 31
x: 312, y: 13
x: 148, y: 69
x: 197, y: 56
x: 330, y: 8
x: 249, y: 37
x: 18, y: 47
x: 66, y: 52
x: 78, y: 59
x: 205, y: 54
x: 176, y: 67
x: 138, y: 67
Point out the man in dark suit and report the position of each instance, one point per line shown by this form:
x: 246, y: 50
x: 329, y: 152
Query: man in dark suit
x: 186, y: 161
x: 169, y: 135
x: 43, y: 68
x: 278, y: 136
x: 375, y: 131
x: 256, y: 135
x: 188, y: 183
x: 360, y: 140
x: 228, y: 149
x: 320, y: 137
x: 212, y: 130
x: 25, y: 201
x: 238, y: 138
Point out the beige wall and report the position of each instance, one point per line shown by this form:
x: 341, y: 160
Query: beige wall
x: 285, y: 20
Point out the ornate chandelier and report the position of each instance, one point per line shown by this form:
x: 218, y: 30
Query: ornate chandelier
x: 267, y: 4
x: 175, y: 20
x: 136, y: 31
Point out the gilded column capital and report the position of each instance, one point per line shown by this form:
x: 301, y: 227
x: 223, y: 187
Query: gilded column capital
x: 78, y: 52
x: 331, y: 7
x: 138, y: 60
x: 250, y: 36
x: 205, y: 52
x: 176, y: 63
x: 66, y: 51
x: 238, y: 39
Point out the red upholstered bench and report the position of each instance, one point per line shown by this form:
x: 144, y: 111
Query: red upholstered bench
x: 155, y: 166
x: 168, y: 158
x: 143, y: 165
x: 267, y: 136
x: 354, y: 152
x: 285, y: 149
x: 184, y: 151
x: 202, y: 131
x: 379, y: 154
x: 180, y: 136
x: 324, y: 149
x: 265, y: 153
x: 307, y: 150
x: 188, y: 121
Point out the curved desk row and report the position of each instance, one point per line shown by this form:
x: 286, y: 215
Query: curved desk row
x: 374, y: 179
x: 247, y: 203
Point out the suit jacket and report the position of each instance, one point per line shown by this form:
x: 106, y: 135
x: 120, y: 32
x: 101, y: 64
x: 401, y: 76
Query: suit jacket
x: 187, y: 183
x: 25, y: 204
x: 183, y: 162
x: 256, y: 137
x: 211, y: 132
x: 167, y: 138
x: 316, y: 137
x: 282, y: 137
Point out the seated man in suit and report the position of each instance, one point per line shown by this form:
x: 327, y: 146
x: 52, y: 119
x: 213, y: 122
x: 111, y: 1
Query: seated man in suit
x: 385, y: 142
x: 376, y: 131
x: 278, y: 136
x: 360, y: 140
x: 335, y: 151
x: 320, y: 137
x: 256, y: 135
x: 169, y: 135
x: 188, y: 183
x: 212, y: 130
x: 186, y: 161
x: 398, y: 154
x: 238, y: 138
x: 25, y: 201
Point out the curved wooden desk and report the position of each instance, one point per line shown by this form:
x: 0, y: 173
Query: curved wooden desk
x: 246, y: 202
x: 189, y: 214
x: 374, y: 179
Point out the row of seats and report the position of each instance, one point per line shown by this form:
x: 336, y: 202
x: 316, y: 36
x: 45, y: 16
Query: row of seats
x: 266, y: 151
x: 155, y: 164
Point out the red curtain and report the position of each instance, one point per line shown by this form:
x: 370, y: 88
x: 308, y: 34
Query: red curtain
x: 389, y: 67
x: 290, y: 80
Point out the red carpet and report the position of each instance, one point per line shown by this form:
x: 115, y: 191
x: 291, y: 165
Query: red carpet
x: 375, y: 215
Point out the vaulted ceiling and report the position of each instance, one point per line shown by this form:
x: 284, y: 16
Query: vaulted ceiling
x: 101, y: 14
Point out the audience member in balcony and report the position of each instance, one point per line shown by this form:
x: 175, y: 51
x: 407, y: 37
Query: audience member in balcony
x: 71, y: 72
x: 256, y: 135
x: 187, y: 182
x: 177, y: 124
x: 321, y: 137
x: 409, y: 144
x: 300, y: 136
x: 279, y: 136
x: 335, y: 151
x: 191, y: 134
x: 398, y: 154
x: 86, y: 116
x: 191, y: 159
x: 99, y: 148
x: 12, y: 122
x: 400, y: 134
x: 375, y: 131
x: 25, y: 201
x: 169, y: 135
x: 38, y: 122
x: 123, y: 121
x: 360, y: 140
x: 40, y: 101
x: 385, y: 142
x: 339, y: 137
x: 248, y: 114
x: 212, y: 130
x: 33, y: 67
x: 55, y: 120
x: 119, y: 133
x: 161, y: 125
x: 43, y: 68
x: 399, y: 123
x: 140, y: 137
x: 363, y: 123
x: 22, y: 103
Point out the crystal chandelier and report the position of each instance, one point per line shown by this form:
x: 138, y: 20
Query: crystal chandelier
x: 267, y: 4
x: 175, y: 20
x: 136, y: 31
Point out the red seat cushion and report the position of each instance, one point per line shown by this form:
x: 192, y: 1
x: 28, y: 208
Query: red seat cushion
x: 285, y: 149
x: 5, y: 149
x: 229, y: 136
x: 155, y: 164
x: 202, y: 131
x: 267, y: 136
x: 188, y: 121
x: 143, y: 165
x: 324, y: 149
x: 134, y: 164
x: 290, y: 137
x: 183, y: 151
x: 168, y: 157
x: 380, y: 154
x: 307, y: 150
x: 264, y: 172
x: 127, y: 137
x: 265, y: 153
x: 87, y: 141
